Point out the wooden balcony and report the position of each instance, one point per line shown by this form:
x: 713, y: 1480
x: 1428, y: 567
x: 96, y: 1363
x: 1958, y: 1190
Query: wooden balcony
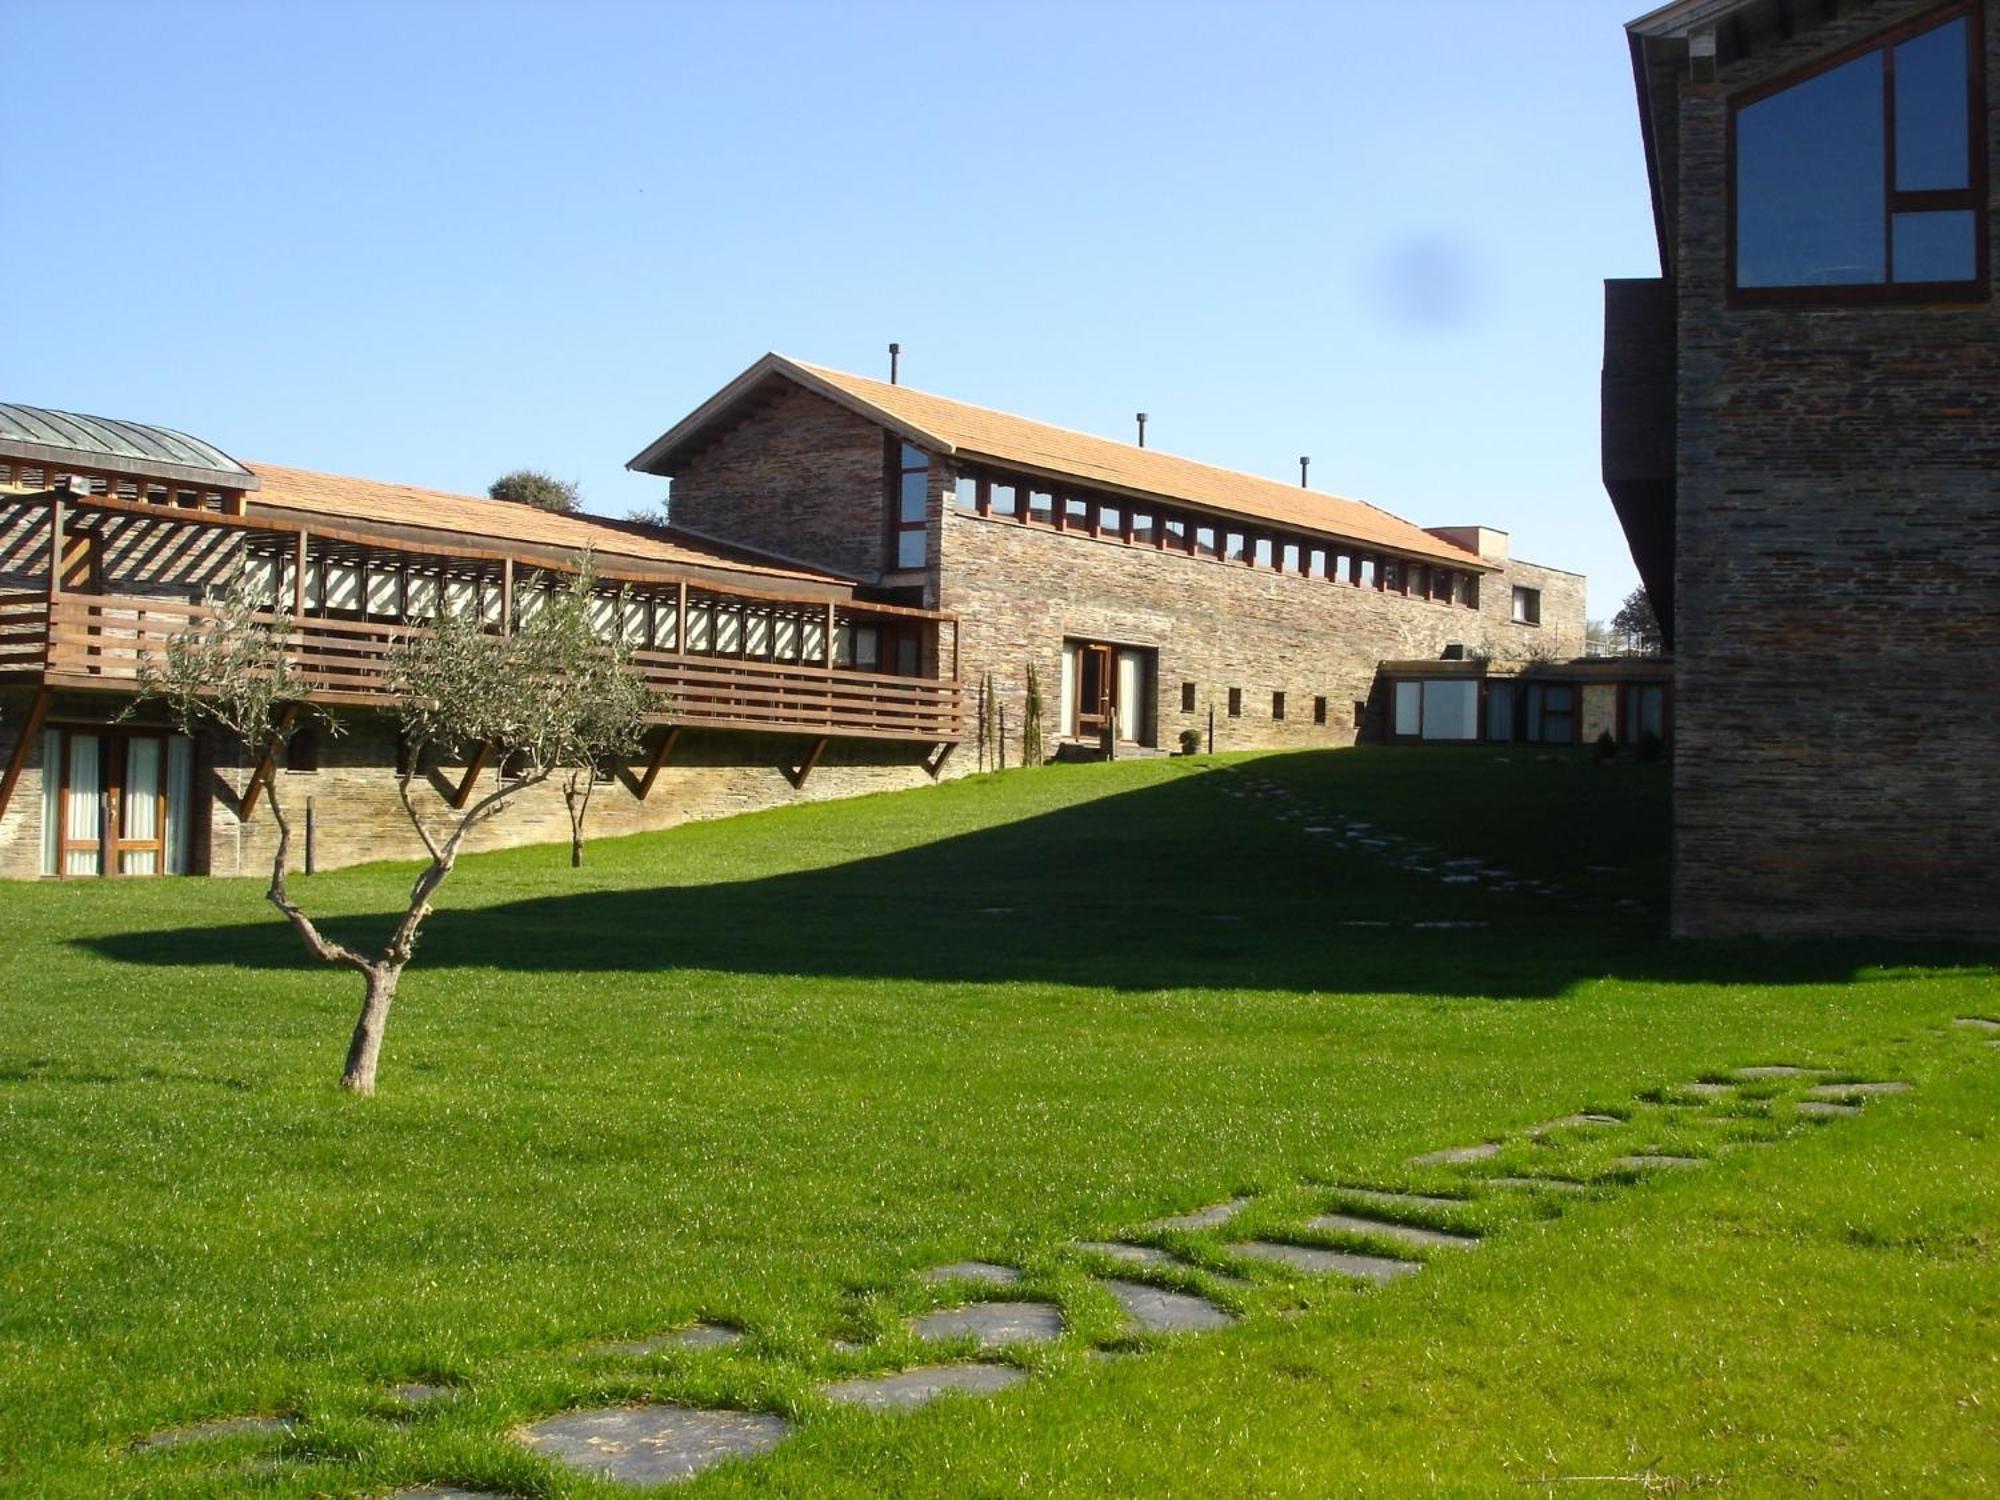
x: 95, y: 642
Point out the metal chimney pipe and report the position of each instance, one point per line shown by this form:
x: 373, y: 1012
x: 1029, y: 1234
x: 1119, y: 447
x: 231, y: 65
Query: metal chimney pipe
x: 1304, y: 464
x: 1142, y: 428
x: 895, y: 353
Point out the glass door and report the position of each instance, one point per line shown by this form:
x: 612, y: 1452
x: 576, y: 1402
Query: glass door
x: 141, y: 807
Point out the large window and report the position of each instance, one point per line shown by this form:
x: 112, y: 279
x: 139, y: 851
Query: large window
x: 1527, y: 606
x: 1866, y: 174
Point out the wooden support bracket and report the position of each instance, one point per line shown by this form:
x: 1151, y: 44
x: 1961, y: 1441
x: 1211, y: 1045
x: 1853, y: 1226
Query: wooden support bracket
x: 38, y: 710
x: 797, y: 775
x: 934, y: 763
x: 268, y: 766
x: 462, y: 794
x: 660, y: 754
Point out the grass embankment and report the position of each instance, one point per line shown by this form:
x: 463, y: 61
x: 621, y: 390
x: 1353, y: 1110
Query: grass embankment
x: 764, y: 1070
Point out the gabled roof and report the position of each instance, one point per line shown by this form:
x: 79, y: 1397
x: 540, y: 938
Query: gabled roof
x: 974, y: 433
x: 301, y: 494
x: 48, y: 436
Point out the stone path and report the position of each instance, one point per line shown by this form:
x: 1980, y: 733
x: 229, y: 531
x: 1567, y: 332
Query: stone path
x: 694, y: 1336
x: 1155, y: 1310
x: 656, y: 1443
x: 974, y: 1270
x: 1385, y: 1229
x: 905, y: 1390
x: 994, y: 1324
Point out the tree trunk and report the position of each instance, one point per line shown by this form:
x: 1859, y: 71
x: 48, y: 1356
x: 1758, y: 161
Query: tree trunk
x: 366, y: 1048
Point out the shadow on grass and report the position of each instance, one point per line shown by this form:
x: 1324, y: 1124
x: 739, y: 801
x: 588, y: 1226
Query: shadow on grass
x: 1179, y: 885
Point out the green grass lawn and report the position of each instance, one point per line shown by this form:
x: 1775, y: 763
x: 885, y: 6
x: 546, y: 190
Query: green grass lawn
x: 764, y: 1071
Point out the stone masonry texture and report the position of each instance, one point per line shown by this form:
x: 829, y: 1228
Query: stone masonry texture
x: 1838, y: 578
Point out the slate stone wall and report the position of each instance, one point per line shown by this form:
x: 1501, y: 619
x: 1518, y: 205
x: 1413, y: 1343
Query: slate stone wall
x: 1020, y: 590
x: 711, y: 774
x: 1838, y: 579
x: 801, y: 477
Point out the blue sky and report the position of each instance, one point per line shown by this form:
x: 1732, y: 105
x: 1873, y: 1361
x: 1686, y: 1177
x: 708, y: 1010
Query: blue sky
x: 434, y: 240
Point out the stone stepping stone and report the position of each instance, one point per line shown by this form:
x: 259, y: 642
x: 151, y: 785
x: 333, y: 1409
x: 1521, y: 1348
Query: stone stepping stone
x: 1778, y: 1070
x: 1856, y: 1090
x: 1457, y: 1156
x: 694, y: 1336
x: 905, y: 1390
x: 1317, y: 1262
x: 1202, y: 1218
x: 1402, y: 1234
x: 435, y: 1492
x: 419, y: 1393
x: 1383, y: 1198
x: 994, y: 1324
x: 1827, y: 1109
x: 1574, y: 1122
x: 216, y: 1431
x: 1647, y: 1161
x: 1709, y: 1090
x: 1131, y: 1255
x: 1980, y: 1023
x: 1540, y: 1184
x: 656, y: 1443
x: 1159, y: 1311
x: 982, y: 1271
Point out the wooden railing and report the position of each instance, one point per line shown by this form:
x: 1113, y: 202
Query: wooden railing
x: 98, y: 641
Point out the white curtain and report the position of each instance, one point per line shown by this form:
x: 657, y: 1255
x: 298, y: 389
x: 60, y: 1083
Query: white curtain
x: 141, y: 805
x: 180, y: 812
x: 1131, y: 694
x: 1451, y: 710
x: 1069, y: 671
x: 1409, y: 707
x: 51, y: 800
x: 85, y: 811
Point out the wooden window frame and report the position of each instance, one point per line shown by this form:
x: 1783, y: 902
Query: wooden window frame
x: 1975, y: 196
x: 893, y: 472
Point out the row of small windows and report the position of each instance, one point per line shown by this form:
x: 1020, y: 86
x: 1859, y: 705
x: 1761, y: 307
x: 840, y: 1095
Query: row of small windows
x: 152, y: 491
x: 1144, y: 525
x: 1188, y: 695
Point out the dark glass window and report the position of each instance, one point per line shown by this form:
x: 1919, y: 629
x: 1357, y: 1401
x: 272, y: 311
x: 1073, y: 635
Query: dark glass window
x: 1319, y: 710
x: 1187, y: 697
x: 965, y: 493
x: 1527, y: 606
x: 1861, y: 173
x: 910, y: 493
x: 1277, y: 705
x: 1236, y: 703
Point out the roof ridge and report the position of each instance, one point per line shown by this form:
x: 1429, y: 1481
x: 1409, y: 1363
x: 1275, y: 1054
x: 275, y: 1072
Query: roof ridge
x: 1096, y: 437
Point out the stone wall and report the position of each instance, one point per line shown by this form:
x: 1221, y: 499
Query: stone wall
x: 1838, y: 579
x: 359, y: 816
x: 1021, y: 590
x: 800, y: 477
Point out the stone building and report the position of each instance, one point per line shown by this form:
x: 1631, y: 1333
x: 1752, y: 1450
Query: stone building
x: 1802, y: 438
x: 1152, y: 595
x: 113, y: 533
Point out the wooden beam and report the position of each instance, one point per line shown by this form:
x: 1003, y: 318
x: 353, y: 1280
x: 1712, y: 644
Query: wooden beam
x: 299, y: 576
x: 660, y: 754
x: 935, y: 764
x: 38, y: 710
x: 797, y: 775
x: 463, y: 792
x: 55, y: 546
x: 268, y: 766
x: 507, y: 596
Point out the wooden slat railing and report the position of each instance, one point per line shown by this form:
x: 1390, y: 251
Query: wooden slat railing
x: 98, y: 641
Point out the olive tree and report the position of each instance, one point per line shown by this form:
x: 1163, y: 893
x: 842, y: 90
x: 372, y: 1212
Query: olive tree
x: 537, y: 488
x: 549, y: 698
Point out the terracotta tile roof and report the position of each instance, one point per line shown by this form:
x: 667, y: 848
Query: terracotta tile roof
x: 957, y: 428
x: 497, y: 523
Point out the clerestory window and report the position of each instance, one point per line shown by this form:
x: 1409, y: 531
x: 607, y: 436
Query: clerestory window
x: 1863, y: 179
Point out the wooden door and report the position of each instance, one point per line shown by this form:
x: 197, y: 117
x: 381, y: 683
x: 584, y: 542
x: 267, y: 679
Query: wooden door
x: 1096, y: 690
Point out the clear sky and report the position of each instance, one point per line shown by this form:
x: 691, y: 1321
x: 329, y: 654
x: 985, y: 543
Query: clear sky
x: 434, y: 240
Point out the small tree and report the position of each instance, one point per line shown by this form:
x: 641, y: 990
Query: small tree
x: 988, y: 708
x: 1637, y: 627
x: 457, y: 685
x: 1031, y: 721
x: 650, y: 515
x: 603, y: 700
x: 534, y: 487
